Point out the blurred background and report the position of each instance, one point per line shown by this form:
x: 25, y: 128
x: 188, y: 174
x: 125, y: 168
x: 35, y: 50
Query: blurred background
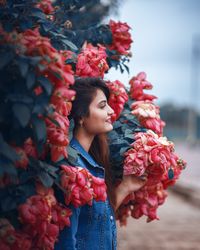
x: 166, y: 46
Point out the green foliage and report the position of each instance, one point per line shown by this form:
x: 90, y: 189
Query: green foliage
x: 120, y: 139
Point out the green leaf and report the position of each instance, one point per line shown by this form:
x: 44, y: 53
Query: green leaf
x: 38, y: 13
x: 23, y: 66
x: 30, y: 80
x: 5, y: 58
x: 46, y: 84
x: 22, y: 113
x: 71, y: 45
x: 7, y: 151
x: 6, y: 166
x: 39, y: 128
x: 46, y: 179
x: 72, y: 155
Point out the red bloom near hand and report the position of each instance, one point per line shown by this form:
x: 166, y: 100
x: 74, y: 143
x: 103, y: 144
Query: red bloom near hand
x: 92, y: 61
x: 138, y: 85
x: 154, y: 156
x: 121, y: 37
x: 118, y: 97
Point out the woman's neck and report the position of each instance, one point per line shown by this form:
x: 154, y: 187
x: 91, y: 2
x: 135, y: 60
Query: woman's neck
x: 84, y: 138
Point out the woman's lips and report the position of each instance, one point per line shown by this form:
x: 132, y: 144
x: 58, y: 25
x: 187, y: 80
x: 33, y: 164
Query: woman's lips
x: 109, y: 120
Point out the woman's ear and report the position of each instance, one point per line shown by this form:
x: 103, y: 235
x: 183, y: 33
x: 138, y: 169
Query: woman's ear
x: 81, y: 122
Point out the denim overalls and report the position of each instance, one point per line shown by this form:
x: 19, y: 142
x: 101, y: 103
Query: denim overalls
x: 92, y: 227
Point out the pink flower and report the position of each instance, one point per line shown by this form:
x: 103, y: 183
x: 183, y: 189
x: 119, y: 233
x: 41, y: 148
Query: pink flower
x: 60, y: 216
x: 118, y: 97
x: 23, y: 161
x: 46, y: 6
x: 154, y: 156
x: 99, y: 188
x: 148, y: 114
x: 81, y: 186
x: 138, y: 84
x: 92, y: 61
x: 121, y: 37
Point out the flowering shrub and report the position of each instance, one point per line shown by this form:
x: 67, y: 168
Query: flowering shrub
x: 40, y: 57
x: 147, y: 153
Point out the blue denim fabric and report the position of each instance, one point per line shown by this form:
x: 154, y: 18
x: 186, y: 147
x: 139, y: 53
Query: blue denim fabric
x: 92, y: 227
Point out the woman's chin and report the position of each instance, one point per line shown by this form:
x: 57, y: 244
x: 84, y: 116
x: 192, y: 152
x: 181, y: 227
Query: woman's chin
x: 109, y: 127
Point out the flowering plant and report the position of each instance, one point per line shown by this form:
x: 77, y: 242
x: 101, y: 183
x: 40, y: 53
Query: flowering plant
x: 143, y: 150
x: 40, y: 56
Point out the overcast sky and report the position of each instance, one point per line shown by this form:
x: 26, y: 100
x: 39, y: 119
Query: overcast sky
x: 163, y: 32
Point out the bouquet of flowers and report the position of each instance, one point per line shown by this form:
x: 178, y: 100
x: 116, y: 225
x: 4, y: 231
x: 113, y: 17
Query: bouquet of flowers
x: 138, y: 147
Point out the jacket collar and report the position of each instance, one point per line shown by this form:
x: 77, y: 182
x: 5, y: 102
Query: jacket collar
x: 74, y: 143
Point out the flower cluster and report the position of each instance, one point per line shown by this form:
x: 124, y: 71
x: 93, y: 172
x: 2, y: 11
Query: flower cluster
x: 42, y: 218
x: 10, y: 239
x: 154, y: 156
x: 148, y: 114
x: 52, y: 66
x: 81, y: 187
x: 138, y: 85
x: 91, y: 62
x: 61, y: 77
x: 118, y: 97
x: 121, y: 37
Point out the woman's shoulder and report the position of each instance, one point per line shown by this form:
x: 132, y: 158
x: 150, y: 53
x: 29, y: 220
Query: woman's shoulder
x: 83, y: 158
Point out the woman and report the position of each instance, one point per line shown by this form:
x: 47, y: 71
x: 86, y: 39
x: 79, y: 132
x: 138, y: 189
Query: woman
x: 93, y: 227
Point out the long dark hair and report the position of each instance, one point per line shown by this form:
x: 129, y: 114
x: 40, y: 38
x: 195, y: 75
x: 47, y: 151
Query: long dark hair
x: 85, y: 92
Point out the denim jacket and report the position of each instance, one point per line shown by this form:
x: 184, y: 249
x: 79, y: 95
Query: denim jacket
x: 92, y: 227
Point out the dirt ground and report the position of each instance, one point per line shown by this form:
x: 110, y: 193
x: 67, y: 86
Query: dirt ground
x: 177, y: 229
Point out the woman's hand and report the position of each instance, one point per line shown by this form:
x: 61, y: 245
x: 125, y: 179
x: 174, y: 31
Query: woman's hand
x: 132, y: 183
x: 129, y: 184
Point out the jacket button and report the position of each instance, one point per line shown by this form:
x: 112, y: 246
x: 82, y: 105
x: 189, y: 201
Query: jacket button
x: 111, y: 217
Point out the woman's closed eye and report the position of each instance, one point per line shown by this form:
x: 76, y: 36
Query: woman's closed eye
x: 102, y: 106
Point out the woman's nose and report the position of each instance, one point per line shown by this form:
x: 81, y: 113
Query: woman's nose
x: 110, y: 110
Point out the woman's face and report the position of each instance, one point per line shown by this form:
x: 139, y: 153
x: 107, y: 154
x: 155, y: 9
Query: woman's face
x: 99, y: 119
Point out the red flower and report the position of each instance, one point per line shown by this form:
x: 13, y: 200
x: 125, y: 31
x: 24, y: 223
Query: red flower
x: 23, y: 161
x: 99, y: 188
x: 118, y: 97
x: 61, y: 99
x: 46, y: 240
x: 35, y: 210
x: 81, y: 187
x: 57, y: 135
x: 45, y: 6
x: 148, y: 115
x: 138, y: 84
x: 10, y: 239
x: 121, y: 37
x: 60, y: 216
x: 135, y: 162
x: 154, y: 156
x: 30, y: 148
x: 92, y: 61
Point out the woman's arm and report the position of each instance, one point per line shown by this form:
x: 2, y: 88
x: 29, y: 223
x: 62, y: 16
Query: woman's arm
x: 129, y: 184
